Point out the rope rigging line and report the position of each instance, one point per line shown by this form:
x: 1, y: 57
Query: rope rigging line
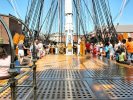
x: 15, y: 8
x: 80, y: 19
x: 96, y: 21
x: 53, y: 16
x: 100, y: 14
x: 76, y: 22
x: 103, y: 14
x: 39, y: 16
x: 108, y: 17
x: 61, y: 19
x: 77, y: 19
x: 30, y: 13
x: 47, y: 15
x: 83, y: 17
x: 55, y: 24
x: 27, y: 10
x: 120, y: 13
x: 35, y: 17
x: 35, y: 22
x: 50, y: 20
x: 90, y: 17
x: 89, y: 11
x: 105, y: 19
x: 106, y: 13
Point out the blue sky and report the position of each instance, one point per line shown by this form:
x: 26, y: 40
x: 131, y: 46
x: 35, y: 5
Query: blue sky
x: 126, y: 18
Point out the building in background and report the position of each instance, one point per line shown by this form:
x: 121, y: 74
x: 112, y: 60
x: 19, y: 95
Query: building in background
x: 121, y: 29
x: 124, y: 31
x: 56, y: 37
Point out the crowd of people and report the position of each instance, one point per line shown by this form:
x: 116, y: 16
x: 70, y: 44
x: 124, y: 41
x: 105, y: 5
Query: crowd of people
x: 43, y: 49
x: 122, y: 52
x: 54, y: 48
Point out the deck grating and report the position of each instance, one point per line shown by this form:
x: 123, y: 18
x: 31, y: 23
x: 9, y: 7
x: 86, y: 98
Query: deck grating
x: 118, y: 89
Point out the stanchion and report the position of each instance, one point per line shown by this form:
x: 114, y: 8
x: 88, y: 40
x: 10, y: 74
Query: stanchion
x: 34, y: 79
x: 34, y: 54
x: 12, y: 81
x: 12, y: 70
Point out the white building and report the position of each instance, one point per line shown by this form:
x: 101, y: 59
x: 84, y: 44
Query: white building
x: 120, y: 29
x: 56, y: 37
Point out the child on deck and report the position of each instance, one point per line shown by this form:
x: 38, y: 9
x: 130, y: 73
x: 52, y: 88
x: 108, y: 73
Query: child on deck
x: 122, y: 57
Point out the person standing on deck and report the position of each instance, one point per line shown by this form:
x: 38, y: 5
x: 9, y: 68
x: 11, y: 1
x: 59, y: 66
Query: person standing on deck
x: 21, y: 48
x: 101, y: 49
x: 82, y: 47
x: 40, y: 49
x: 111, y: 51
x: 87, y: 47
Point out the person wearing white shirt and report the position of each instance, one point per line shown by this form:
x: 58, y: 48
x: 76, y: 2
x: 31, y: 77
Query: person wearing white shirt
x: 78, y: 47
x: 5, y: 61
x: 40, y: 49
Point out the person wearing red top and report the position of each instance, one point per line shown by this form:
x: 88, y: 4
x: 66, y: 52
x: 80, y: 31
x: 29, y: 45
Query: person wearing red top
x: 87, y: 47
x: 94, y: 50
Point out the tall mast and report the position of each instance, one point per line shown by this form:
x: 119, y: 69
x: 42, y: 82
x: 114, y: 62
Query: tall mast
x: 68, y: 25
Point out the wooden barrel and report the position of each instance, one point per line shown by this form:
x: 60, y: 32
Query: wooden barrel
x: 1, y: 40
